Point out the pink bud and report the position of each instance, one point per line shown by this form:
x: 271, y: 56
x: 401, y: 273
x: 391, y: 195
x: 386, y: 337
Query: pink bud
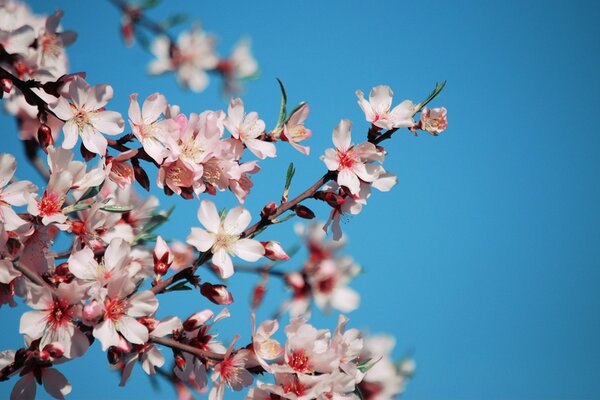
x: 92, y: 311
x: 197, y: 320
x: 257, y: 295
x: 274, y: 251
x: 218, y: 294
x: 268, y: 210
x: 162, y: 257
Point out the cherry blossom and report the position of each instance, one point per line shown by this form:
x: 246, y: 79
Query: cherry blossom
x: 353, y: 162
x: 377, y: 109
x: 433, y: 120
x: 248, y: 128
x: 85, y: 116
x: 12, y: 194
x: 294, y: 130
x: 222, y: 237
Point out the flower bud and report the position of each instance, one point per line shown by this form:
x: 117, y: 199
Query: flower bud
x: 197, y: 320
x: 162, y: 257
x: 333, y: 199
x: 257, y: 295
x: 141, y: 176
x: 6, y: 85
x: 92, y: 311
x: 268, y: 210
x: 44, y: 135
x: 274, y: 251
x: 179, y: 360
x: 304, y: 212
x: 114, y: 355
x: 218, y: 294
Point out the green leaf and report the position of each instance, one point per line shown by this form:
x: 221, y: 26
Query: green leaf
x: 174, y: 20
x: 91, y: 192
x: 223, y: 214
x: 154, y: 222
x: 76, y: 207
x: 282, y: 109
x: 148, y: 4
x: 438, y: 89
x: 367, y: 364
x: 288, y: 177
x: 115, y: 208
x: 178, y: 287
x: 358, y: 393
x: 285, y: 218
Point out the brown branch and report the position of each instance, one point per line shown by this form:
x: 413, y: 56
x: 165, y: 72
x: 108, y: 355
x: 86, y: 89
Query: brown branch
x: 174, y: 344
x: 188, y: 272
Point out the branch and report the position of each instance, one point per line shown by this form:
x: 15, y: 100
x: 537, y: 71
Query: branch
x: 174, y: 344
x: 248, y: 233
x: 32, y: 276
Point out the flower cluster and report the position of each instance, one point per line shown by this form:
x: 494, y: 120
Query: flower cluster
x: 103, y: 285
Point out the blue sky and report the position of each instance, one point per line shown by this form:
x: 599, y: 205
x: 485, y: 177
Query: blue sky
x: 484, y: 260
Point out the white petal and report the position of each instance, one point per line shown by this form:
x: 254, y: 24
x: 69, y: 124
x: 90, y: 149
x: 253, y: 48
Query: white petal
x: 342, y: 135
x: 83, y: 265
x: 208, y: 216
x: 8, y: 165
x: 237, y: 219
x: 132, y: 330
x: 349, y: 179
x: 117, y: 254
x: 106, y: 333
x: 223, y: 263
x: 166, y: 327
x: 93, y: 140
x: 33, y: 324
x: 108, y: 122
x: 142, y: 304
x: 153, y: 107
x: 345, y: 299
x: 201, y: 239
x: 248, y: 249
x: 71, y: 132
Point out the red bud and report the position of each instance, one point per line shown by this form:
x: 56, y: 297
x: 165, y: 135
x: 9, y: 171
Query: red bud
x: 257, y: 295
x: 6, y: 85
x: 218, y: 294
x: 44, y: 135
x: 274, y: 251
x: 180, y: 361
x: 304, y: 212
x: 114, y: 355
x: 141, y: 176
x: 268, y: 210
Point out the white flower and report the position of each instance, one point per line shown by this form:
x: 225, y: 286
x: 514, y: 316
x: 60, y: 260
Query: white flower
x: 222, y: 237
x: 377, y: 109
x: 12, y: 194
x: 248, y: 128
x: 85, y: 116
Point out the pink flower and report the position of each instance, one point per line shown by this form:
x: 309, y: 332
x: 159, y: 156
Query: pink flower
x: 119, y: 170
x: 191, y: 58
x: 55, y: 318
x: 12, y: 194
x: 147, y: 125
x: 222, y: 237
x: 264, y: 347
x: 433, y: 120
x: 377, y: 109
x: 294, y: 130
x: 248, y: 128
x: 49, y: 207
x: 120, y: 312
x: 353, y: 163
x: 230, y: 371
x: 85, y: 116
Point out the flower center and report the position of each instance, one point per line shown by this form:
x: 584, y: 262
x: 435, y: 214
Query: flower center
x: 223, y: 241
x: 115, y: 308
x: 299, y: 361
x: 50, y: 204
x: 59, y: 313
x: 294, y: 386
x: 50, y: 45
x: 346, y: 159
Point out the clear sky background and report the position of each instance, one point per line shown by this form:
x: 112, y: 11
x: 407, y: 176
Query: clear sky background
x: 484, y: 260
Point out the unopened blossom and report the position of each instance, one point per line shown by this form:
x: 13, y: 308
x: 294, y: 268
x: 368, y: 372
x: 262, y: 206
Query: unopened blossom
x: 55, y: 318
x: 190, y: 58
x: 121, y: 309
x: 17, y: 193
x: 353, y: 162
x: 294, y: 130
x: 162, y: 256
x: 377, y: 109
x: 230, y: 371
x: 148, y: 126
x: 274, y: 251
x: 85, y: 116
x: 218, y: 294
x: 49, y: 207
x: 248, y: 128
x: 433, y: 120
x: 222, y: 237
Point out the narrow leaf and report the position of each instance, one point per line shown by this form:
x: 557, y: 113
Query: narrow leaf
x: 76, y: 207
x: 115, y: 208
x: 282, y: 109
x: 91, y: 192
x: 438, y: 89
